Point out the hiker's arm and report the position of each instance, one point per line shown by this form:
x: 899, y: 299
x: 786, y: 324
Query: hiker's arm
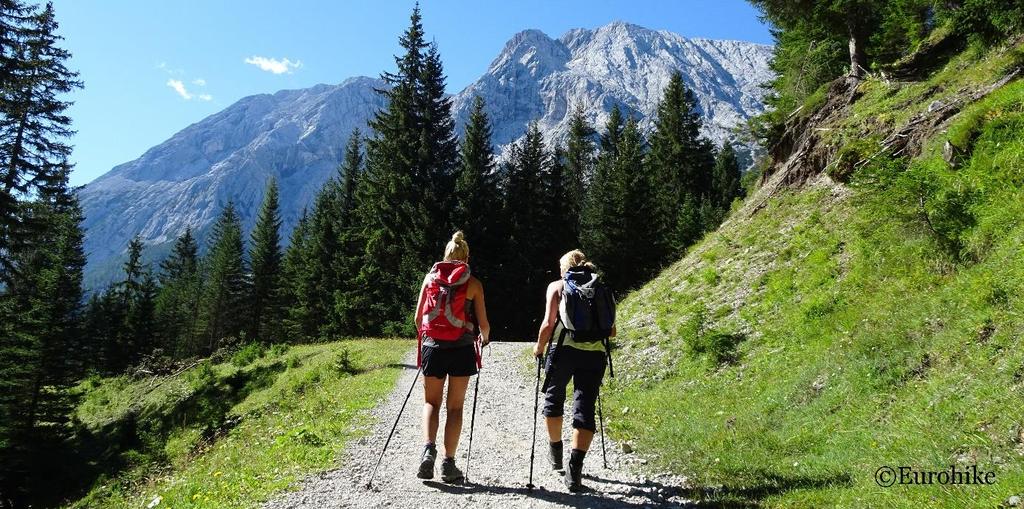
x: 481, y: 314
x: 547, y: 327
x: 419, y: 306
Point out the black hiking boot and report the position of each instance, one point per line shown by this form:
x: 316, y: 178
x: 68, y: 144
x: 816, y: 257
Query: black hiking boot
x: 426, y: 470
x: 555, y: 455
x: 449, y: 472
x: 574, y: 474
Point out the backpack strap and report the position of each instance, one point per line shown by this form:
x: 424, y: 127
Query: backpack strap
x: 554, y: 356
x: 419, y: 349
x: 558, y: 344
x: 608, y: 352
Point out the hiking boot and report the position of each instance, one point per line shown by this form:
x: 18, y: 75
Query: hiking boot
x: 555, y: 455
x: 449, y: 472
x: 426, y: 470
x: 574, y: 474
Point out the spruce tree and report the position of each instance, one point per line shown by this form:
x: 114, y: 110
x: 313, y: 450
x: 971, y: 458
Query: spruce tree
x: 41, y: 346
x: 599, y: 206
x: 682, y: 160
x: 322, y: 251
x: 557, y: 209
x: 300, y: 324
x: 350, y: 246
x: 626, y: 244
x: 33, y: 148
x: 726, y: 177
x: 403, y: 201
x: 854, y: 20
x: 135, y: 331
x: 266, y: 258
x: 527, y: 263
x: 224, y: 300
x: 438, y: 152
x: 177, y: 306
x: 579, y: 166
x: 478, y: 207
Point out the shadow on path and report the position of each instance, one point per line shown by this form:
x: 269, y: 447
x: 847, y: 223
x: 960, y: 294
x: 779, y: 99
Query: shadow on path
x: 589, y: 497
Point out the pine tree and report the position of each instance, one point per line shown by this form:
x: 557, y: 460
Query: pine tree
x: 300, y: 324
x: 726, y: 177
x: 322, y: 251
x: 625, y: 242
x: 599, y: 206
x: 856, y: 20
x: 177, y: 305
x: 478, y: 207
x: 33, y: 148
x: 350, y: 244
x: 438, y: 153
x: 137, y: 307
x: 266, y: 257
x: 557, y: 208
x: 224, y: 299
x: 527, y: 264
x: 579, y: 166
x: 41, y: 345
x: 404, y: 197
x: 609, y: 141
x: 682, y: 160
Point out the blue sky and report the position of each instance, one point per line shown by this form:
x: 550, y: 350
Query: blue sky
x: 152, y: 68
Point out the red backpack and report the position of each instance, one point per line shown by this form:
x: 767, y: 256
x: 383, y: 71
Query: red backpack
x: 444, y: 312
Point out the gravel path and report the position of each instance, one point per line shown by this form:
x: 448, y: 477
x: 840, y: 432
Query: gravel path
x: 501, y: 456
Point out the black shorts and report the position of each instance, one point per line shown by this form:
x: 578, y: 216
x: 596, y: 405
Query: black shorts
x: 586, y: 369
x: 442, y: 362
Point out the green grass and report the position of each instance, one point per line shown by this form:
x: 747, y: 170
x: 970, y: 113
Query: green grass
x: 232, y: 434
x: 847, y: 328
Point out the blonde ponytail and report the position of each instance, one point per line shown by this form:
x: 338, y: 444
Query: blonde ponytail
x: 457, y: 248
x: 573, y: 259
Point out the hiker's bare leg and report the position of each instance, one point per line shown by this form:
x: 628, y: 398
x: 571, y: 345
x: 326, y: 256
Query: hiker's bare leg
x: 433, y: 389
x: 554, y: 428
x: 581, y: 439
x: 453, y: 418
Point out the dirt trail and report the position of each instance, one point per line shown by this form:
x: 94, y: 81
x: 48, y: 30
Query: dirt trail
x: 501, y: 458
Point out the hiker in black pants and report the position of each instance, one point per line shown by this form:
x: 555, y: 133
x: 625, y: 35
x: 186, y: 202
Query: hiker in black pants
x: 582, y: 361
x: 452, y: 322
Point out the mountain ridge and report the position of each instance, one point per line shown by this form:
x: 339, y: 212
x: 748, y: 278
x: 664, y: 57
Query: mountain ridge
x: 298, y: 135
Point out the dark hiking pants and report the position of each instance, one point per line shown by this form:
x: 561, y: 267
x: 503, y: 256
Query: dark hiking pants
x: 586, y: 370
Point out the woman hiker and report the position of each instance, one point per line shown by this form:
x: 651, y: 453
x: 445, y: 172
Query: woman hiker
x: 449, y: 314
x: 582, y: 361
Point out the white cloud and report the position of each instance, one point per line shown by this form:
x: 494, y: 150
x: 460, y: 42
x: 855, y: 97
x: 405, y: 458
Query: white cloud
x: 273, y: 65
x: 179, y: 87
x: 199, y: 82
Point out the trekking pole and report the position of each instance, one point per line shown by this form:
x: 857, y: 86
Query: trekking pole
x: 533, y: 444
x: 472, y: 421
x: 600, y: 416
x: 369, y: 483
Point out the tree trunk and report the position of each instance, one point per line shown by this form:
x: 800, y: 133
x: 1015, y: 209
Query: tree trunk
x: 858, y: 58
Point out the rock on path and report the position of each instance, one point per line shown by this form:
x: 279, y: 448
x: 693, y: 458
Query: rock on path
x: 501, y: 456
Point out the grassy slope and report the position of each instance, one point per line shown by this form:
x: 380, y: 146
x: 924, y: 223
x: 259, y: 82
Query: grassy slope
x: 289, y: 411
x: 834, y: 331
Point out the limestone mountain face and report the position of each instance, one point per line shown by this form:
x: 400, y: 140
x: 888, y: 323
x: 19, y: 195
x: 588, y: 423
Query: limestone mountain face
x: 298, y: 136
